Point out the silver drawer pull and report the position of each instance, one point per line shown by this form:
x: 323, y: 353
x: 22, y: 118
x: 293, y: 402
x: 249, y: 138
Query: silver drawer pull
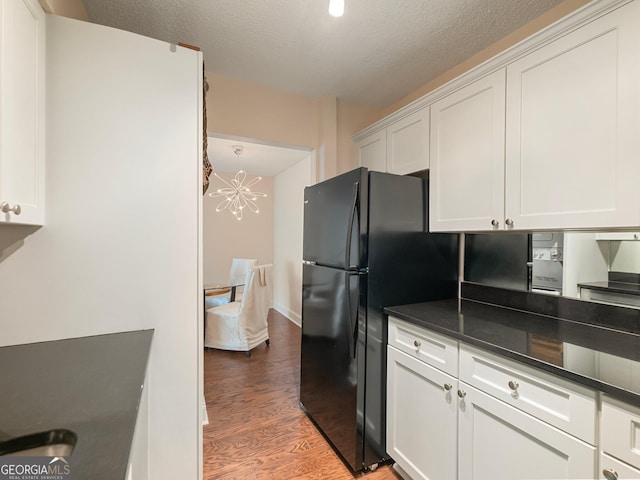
x: 462, y: 393
x: 448, y: 387
x: 417, y: 343
x: 513, y: 385
x: 6, y: 208
x: 610, y: 474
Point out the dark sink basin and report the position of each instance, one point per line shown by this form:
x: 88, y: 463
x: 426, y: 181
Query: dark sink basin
x: 52, y: 443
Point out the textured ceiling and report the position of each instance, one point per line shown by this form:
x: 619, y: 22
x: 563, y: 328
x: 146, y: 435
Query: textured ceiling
x: 380, y: 51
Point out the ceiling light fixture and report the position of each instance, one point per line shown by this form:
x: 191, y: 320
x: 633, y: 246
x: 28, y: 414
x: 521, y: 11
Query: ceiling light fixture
x: 237, y: 194
x: 336, y: 8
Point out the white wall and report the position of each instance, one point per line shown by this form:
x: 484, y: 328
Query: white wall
x: 584, y: 261
x: 287, y: 274
x: 224, y: 237
x: 625, y: 256
x: 119, y: 250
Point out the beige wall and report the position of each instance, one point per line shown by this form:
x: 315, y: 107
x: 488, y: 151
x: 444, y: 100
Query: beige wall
x: 242, y: 109
x: 225, y: 237
x: 65, y: 8
x: 289, y: 212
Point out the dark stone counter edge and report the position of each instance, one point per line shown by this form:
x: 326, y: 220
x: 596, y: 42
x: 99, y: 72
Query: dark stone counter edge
x: 616, y: 287
x: 613, y: 391
x: 123, y: 432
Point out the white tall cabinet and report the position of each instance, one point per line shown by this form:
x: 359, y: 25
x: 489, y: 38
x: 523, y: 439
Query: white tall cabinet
x: 22, y: 112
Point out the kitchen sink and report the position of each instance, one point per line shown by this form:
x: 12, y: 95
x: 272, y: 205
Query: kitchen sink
x: 52, y: 443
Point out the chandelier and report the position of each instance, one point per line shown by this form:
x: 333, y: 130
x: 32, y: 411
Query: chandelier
x: 237, y: 195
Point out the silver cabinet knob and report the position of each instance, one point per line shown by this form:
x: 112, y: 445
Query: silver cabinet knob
x: 6, y: 208
x: 508, y: 222
x: 462, y: 393
x: 495, y: 223
x: 417, y: 343
x: 448, y: 387
x: 610, y: 474
x: 513, y: 385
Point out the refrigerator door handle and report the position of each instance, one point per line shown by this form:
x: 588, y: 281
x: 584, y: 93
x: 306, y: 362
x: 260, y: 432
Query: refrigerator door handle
x: 354, y: 209
x: 353, y: 330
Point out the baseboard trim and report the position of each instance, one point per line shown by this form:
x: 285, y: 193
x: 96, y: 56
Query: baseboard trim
x: 291, y: 315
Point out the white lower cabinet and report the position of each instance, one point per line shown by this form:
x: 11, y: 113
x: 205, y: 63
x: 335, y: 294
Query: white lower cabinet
x: 619, y: 440
x: 422, y: 417
x: 613, y: 469
x: 500, y: 442
x: 441, y: 427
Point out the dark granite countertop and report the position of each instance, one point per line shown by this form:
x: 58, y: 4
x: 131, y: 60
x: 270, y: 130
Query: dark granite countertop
x: 91, y: 386
x: 611, y: 286
x: 593, y: 355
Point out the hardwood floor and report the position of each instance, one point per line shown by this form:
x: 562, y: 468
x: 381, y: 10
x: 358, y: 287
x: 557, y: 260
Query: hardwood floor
x: 257, y: 430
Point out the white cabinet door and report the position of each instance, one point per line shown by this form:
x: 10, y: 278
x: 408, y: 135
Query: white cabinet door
x: 373, y: 151
x: 421, y: 418
x: 572, y: 145
x: 499, y: 442
x: 22, y: 135
x: 408, y: 143
x: 467, y: 157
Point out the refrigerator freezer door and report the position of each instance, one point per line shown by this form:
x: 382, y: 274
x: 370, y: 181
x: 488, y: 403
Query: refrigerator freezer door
x: 335, y: 221
x: 331, y: 351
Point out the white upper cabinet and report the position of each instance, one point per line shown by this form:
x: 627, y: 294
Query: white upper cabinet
x: 22, y: 104
x: 408, y: 143
x: 400, y: 148
x: 572, y: 143
x: 372, y: 152
x: 467, y: 157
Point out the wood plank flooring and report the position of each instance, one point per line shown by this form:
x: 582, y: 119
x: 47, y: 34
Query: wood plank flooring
x: 257, y: 430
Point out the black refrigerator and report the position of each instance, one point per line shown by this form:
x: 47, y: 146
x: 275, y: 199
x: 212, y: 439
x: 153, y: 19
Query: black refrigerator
x: 366, y: 246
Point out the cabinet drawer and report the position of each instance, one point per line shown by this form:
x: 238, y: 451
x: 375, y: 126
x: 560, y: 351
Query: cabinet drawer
x: 620, y: 427
x: 616, y: 469
x: 563, y: 404
x: 436, y: 350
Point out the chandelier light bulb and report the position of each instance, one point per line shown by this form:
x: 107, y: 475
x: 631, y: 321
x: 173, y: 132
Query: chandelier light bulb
x: 336, y: 8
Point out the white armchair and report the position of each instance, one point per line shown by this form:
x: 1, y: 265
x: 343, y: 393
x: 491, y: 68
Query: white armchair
x: 241, y: 326
x: 240, y: 268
